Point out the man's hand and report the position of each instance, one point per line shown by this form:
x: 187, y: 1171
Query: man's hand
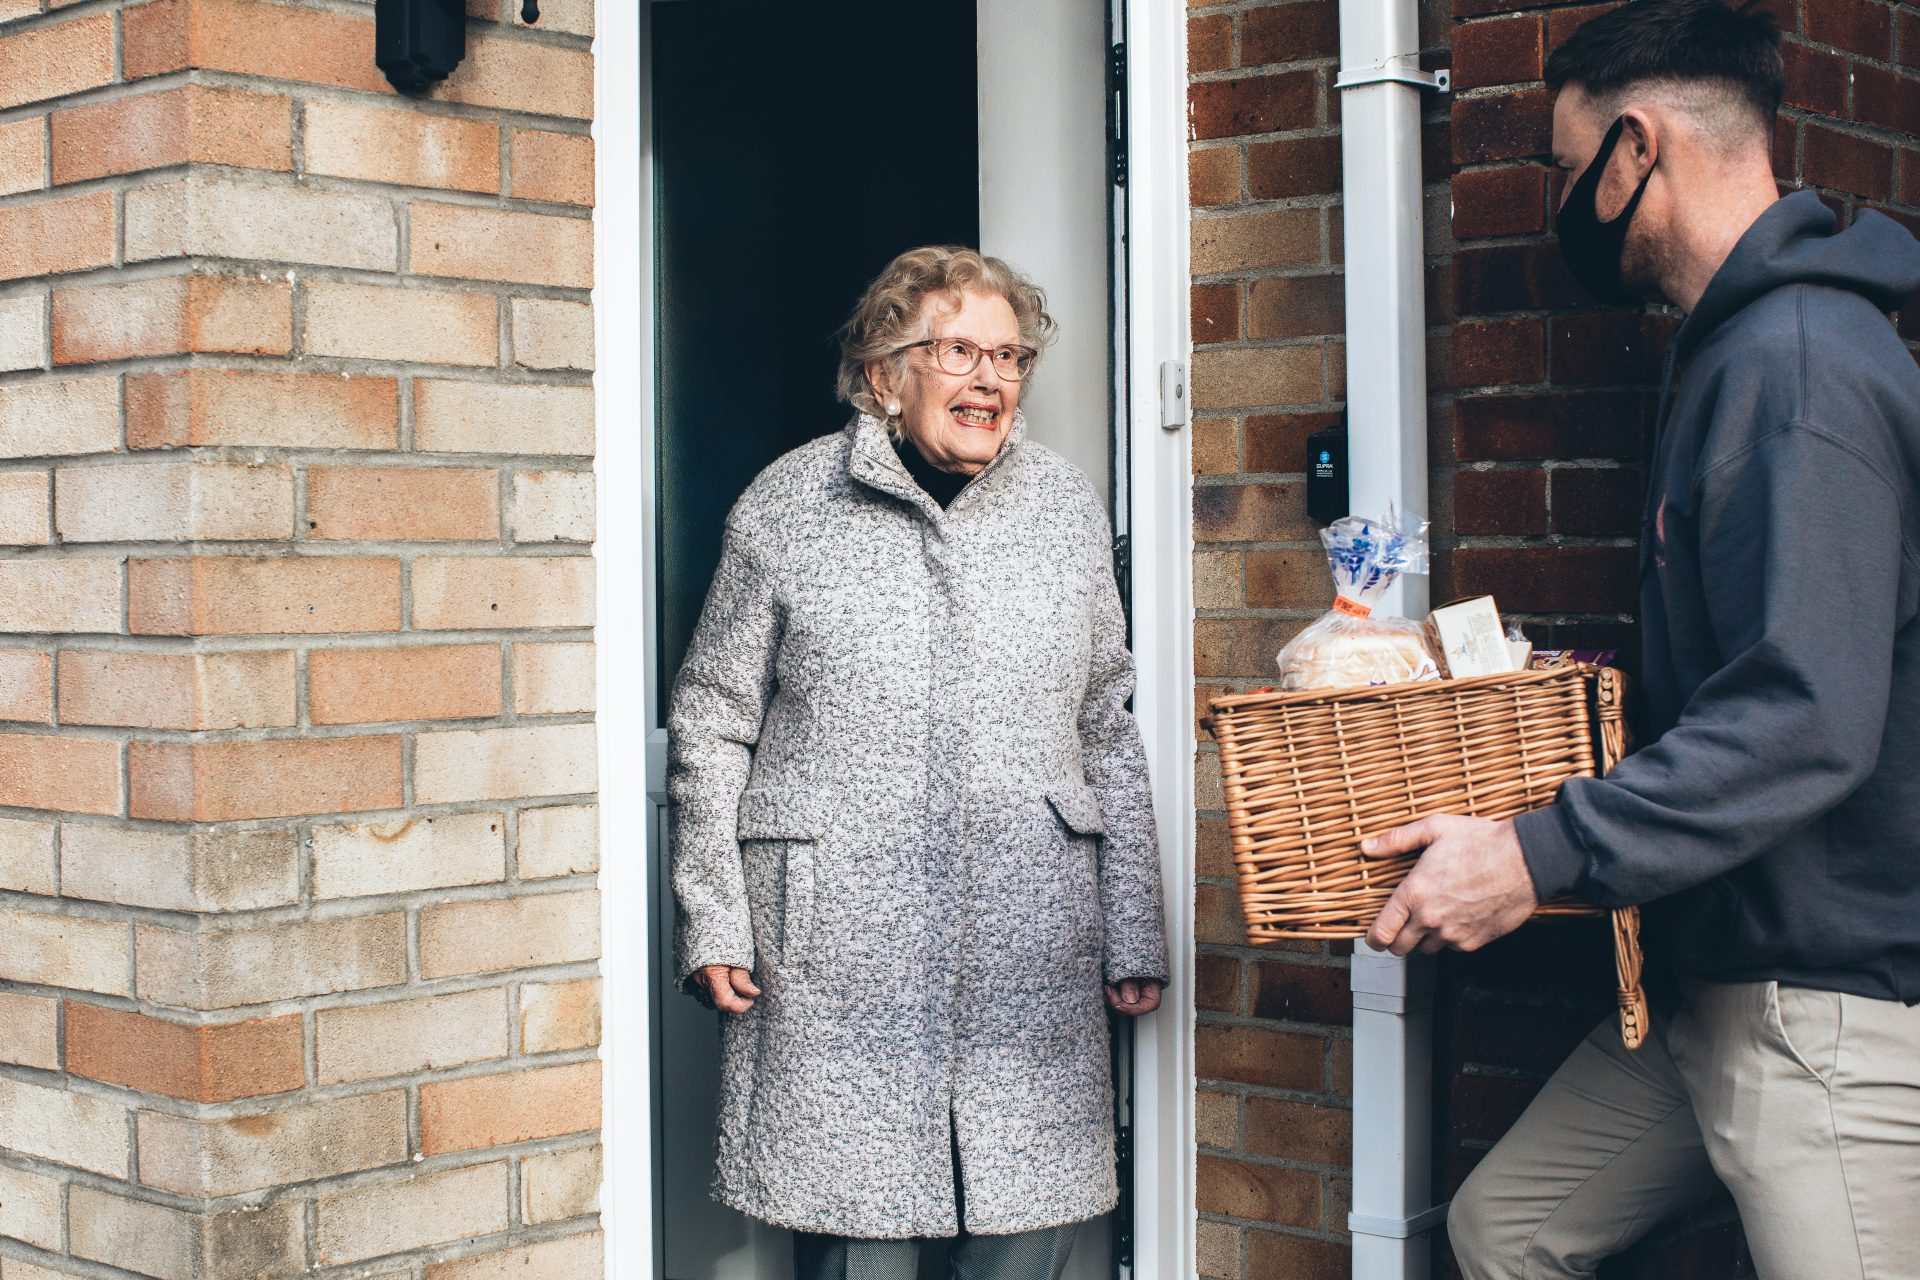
x: 1470, y: 887
x: 732, y: 988
x: 1134, y: 996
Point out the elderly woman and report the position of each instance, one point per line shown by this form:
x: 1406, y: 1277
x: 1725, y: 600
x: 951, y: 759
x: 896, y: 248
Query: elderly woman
x: 914, y: 843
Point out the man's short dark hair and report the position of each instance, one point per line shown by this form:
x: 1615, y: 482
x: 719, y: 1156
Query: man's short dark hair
x: 1676, y: 40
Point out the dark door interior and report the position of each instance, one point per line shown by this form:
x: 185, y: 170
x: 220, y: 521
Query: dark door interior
x: 798, y: 149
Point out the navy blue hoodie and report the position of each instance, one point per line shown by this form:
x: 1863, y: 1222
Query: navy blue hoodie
x: 1772, y: 820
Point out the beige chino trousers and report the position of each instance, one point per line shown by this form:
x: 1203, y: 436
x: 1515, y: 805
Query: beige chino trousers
x: 1806, y: 1104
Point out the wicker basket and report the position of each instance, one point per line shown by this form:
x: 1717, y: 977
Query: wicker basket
x: 1310, y: 775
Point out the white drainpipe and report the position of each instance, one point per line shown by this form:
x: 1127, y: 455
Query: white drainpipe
x: 1382, y: 88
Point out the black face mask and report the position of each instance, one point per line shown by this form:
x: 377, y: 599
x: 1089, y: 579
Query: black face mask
x: 1592, y: 248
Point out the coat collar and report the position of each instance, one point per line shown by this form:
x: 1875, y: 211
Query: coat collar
x: 872, y: 461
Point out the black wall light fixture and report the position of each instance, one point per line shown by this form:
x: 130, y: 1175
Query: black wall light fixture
x: 418, y: 43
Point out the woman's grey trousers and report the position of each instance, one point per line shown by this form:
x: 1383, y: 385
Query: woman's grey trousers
x: 1031, y: 1255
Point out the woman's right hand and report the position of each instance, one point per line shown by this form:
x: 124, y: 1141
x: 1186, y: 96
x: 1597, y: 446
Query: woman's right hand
x: 731, y: 987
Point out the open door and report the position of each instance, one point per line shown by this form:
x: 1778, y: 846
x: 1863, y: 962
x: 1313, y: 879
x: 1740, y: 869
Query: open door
x: 796, y: 149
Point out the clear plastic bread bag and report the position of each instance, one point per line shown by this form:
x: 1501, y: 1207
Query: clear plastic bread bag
x: 1351, y: 645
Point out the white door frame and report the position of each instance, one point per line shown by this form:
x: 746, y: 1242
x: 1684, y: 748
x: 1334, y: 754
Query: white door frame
x: 1162, y: 592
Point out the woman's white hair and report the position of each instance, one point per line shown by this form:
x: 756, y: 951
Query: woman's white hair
x: 887, y: 316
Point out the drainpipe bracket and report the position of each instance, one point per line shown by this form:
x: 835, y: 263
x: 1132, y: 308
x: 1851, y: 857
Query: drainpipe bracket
x: 1395, y: 73
x: 1365, y: 1224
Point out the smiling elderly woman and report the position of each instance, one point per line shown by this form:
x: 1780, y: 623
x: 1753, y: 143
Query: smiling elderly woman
x: 914, y: 842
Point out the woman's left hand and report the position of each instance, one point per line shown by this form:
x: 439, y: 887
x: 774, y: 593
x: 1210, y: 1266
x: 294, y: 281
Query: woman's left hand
x: 1134, y: 996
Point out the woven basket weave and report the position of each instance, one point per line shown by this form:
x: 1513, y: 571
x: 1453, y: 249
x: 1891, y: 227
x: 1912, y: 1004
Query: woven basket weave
x: 1310, y: 775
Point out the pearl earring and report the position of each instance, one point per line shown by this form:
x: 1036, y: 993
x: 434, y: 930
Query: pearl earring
x: 893, y: 408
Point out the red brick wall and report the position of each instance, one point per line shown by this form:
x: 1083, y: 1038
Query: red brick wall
x: 1539, y: 405
x: 1274, y: 1047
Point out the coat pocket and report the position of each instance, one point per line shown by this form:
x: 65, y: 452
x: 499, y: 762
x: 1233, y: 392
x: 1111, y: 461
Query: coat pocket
x: 1078, y: 808
x: 780, y: 813
x: 1079, y: 813
x: 779, y: 833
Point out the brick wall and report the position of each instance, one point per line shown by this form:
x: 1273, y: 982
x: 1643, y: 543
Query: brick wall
x: 298, y: 922
x: 1274, y: 1048
x: 1537, y: 416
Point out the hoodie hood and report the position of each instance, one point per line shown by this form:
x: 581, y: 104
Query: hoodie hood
x: 1794, y: 242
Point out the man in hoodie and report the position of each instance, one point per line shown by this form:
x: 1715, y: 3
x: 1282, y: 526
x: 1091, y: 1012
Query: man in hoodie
x: 1771, y: 823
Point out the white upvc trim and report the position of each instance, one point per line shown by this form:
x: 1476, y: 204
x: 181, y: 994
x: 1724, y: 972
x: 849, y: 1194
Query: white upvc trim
x: 1162, y: 542
x: 623, y: 549
x: 1162, y: 591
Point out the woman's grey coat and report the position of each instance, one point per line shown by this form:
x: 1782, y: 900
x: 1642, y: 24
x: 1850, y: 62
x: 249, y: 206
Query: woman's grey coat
x: 910, y: 797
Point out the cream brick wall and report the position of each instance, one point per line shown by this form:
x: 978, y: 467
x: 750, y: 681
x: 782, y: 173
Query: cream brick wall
x: 299, y: 928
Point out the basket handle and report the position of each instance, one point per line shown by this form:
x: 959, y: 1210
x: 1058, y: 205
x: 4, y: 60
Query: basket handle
x: 1627, y: 964
x: 1609, y: 702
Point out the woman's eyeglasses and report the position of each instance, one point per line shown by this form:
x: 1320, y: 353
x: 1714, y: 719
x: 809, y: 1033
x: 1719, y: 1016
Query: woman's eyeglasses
x: 960, y: 357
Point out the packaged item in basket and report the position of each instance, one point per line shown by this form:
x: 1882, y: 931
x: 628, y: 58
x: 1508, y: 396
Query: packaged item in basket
x: 1351, y: 645
x: 1518, y: 647
x: 1466, y: 639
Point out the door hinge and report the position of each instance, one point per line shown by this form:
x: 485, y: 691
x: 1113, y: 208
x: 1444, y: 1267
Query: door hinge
x: 1173, y: 394
x: 1123, y: 1214
x: 1117, y: 105
x: 1123, y: 558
